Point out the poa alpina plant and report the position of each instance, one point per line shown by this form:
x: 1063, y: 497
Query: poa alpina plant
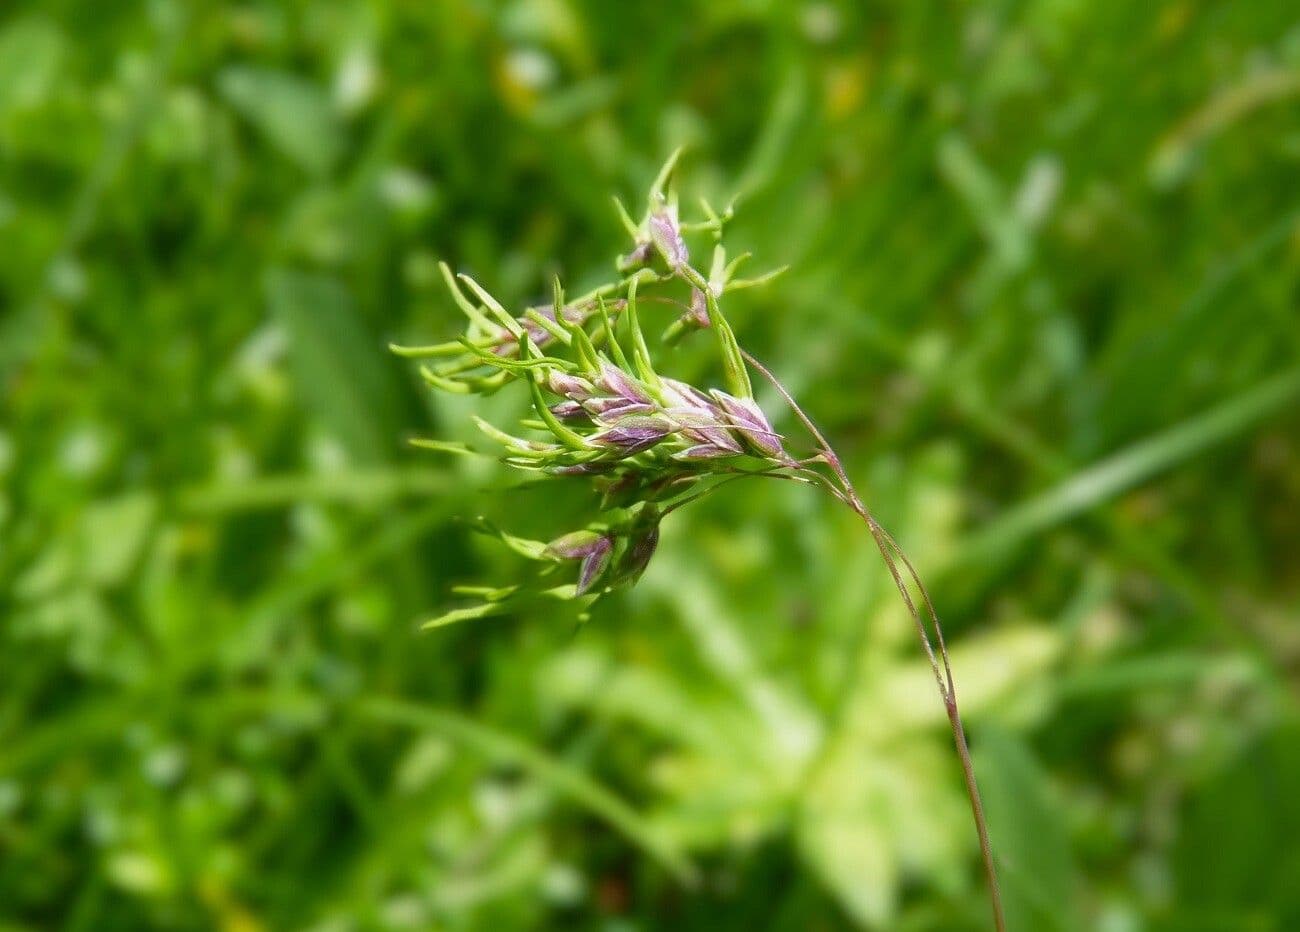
x: 650, y: 444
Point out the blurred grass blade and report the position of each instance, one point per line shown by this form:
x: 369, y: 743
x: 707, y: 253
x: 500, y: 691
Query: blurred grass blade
x: 1132, y: 466
x: 988, y: 204
x: 1149, y: 674
x: 1037, y: 872
x: 1235, y: 856
x: 563, y: 778
x: 340, y: 370
x: 338, y: 567
x: 1173, y: 158
x: 114, y: 534
x: 31, y: 53
x: 293, y: 114
x: 352, y: 487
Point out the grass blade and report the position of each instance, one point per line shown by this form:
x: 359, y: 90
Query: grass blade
x: 561, y: 777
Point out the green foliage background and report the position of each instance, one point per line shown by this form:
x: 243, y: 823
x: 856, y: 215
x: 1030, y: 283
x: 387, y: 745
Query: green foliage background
x: 1045, y: 269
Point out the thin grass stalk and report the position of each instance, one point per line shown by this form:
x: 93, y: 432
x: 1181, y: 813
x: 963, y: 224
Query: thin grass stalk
x: 644, y: 440
x: 940, y: 664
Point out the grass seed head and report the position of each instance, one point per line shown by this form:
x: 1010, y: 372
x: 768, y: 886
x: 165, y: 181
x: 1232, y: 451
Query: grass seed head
x: 601, y: 410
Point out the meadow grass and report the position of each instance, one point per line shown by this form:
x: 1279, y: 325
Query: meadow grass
x: 1042, y: 299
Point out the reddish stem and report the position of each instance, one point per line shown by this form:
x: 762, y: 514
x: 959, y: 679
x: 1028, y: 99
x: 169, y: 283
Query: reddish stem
x: 939, y: 662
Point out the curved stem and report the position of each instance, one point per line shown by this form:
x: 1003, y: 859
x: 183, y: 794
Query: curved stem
x: 939, y: 663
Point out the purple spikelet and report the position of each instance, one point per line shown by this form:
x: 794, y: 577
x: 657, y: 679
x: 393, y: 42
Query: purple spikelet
x: 617, y: 382
x: 569, y: 386
x: 592, y: 548
x: 639, y: 552
x: 667, y: 237
x: 633, y: 434
x: 748, y: 418
x: 593, y: 564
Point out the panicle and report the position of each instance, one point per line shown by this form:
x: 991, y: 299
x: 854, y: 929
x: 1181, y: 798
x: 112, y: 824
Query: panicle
x: 602, y: 413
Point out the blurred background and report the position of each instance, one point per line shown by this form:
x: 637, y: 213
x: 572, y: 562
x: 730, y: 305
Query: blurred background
x: 1043, y: 298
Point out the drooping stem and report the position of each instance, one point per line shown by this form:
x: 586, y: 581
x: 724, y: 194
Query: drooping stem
x: 936, y: 650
